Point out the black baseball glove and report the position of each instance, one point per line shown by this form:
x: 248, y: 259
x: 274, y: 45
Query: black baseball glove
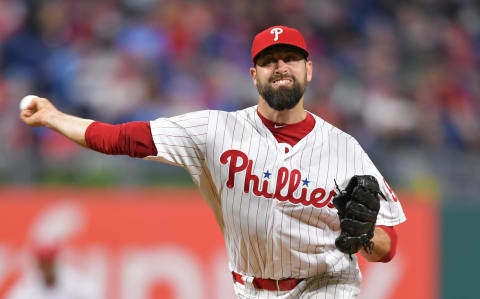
x: 358, y: 207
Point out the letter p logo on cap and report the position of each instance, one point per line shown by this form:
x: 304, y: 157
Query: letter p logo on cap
x: 277, y: 31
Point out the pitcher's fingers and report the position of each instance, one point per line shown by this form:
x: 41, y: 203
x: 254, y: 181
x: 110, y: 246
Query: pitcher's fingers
x: 25, y: 113
x: 25, y: 116
x: 32, y: 105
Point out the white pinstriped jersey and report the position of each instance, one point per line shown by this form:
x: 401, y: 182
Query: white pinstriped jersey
x: 273, y: 207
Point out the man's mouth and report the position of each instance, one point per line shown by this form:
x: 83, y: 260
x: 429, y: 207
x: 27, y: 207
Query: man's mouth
x: 282, y: 81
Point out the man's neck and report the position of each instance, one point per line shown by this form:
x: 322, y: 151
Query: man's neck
x: 290, y: 116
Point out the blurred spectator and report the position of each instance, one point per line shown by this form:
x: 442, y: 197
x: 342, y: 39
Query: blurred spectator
x: 51, y: 280
x: 390, y: 72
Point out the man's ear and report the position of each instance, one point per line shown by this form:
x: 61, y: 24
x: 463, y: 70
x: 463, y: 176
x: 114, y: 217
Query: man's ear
x: 309, y: 68
x: 253, y: 74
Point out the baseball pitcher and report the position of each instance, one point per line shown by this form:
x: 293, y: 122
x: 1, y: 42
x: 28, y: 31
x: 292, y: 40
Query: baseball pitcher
x: 295, y: 197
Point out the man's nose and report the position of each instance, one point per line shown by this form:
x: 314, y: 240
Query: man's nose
x: 281, y: 66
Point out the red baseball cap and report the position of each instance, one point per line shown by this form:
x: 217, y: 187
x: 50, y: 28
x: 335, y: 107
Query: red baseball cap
x: 46, y: 252
x: 278, y: 35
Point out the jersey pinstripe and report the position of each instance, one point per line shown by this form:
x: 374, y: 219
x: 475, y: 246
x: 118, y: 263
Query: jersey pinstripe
x: 273, y: 207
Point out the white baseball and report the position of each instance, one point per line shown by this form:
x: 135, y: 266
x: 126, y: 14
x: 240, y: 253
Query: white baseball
x: 25, y: 102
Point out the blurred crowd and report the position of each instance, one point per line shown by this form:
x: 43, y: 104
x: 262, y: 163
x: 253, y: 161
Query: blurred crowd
x: 389, y: 72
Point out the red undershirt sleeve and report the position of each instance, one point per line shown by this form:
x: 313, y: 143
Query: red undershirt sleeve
x: 132, y: 138
x: 393, y: 242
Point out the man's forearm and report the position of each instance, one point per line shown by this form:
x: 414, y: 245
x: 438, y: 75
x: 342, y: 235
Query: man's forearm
x: 41, y: 112
x: 381, y: 247
x: 133, y: 138
x: 70, y: 126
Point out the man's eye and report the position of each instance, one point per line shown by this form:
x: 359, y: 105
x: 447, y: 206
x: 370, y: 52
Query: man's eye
x: 267, y: 61
x: 291, y: 58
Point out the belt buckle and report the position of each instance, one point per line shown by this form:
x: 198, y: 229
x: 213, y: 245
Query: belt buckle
x: 248, y: 282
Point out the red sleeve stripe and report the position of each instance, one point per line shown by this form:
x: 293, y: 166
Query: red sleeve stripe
x: 393, y: 242
x: 132, y: 138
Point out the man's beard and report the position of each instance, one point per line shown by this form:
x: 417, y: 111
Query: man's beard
x: 283, y: 97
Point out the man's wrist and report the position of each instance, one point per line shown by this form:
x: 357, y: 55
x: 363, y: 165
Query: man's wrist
x: 385, y: 245
x: 52, y: 119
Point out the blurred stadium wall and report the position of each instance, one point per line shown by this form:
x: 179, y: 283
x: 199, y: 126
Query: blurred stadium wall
x: 152, y: 244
